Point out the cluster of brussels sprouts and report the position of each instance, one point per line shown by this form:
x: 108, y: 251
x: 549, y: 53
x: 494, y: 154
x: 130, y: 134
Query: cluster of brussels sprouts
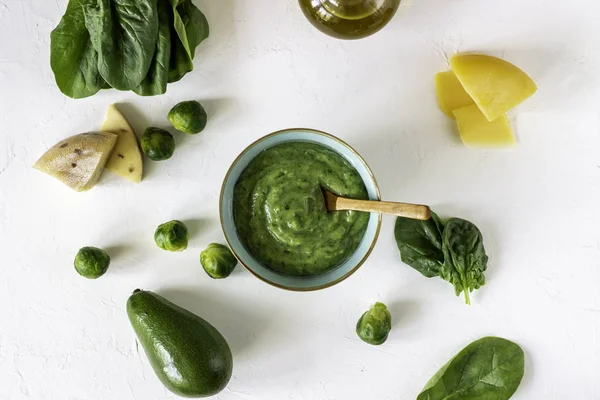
x: 188, y: 117
x: 217, y: 260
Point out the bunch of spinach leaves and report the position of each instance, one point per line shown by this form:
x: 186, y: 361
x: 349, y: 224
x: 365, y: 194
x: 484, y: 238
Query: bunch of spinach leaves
x: 139, y: 45
x: 452, y: 250
x: 490, y: 368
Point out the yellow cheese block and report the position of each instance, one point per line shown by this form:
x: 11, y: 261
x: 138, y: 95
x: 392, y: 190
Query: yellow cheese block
x: 495, y: 85
x: 450, y: 93
x: 126, y: 158
x: 476, y: 131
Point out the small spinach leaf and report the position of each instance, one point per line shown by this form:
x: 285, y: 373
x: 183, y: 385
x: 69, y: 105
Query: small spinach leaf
x: 191, y: 26
x: 155, y: 82
x: 180, y: 63
x: 420, y: 244
x: 465, y: 260
x: 124, y: 34
x: 196, y: 25
x: 72, y: 56
x: 190, y: 29
x: 490, y: 368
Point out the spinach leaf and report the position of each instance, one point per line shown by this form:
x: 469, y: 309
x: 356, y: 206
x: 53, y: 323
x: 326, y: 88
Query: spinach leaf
x: 180, y: 62
x: 105, y: 85
x: 72, y: 56
x: 453, y: 251
x: 191, y: 28
x: 490, y: 368
x: 139, y: 45
x: 464, y: 256
x: 195, y: 23
x: 420, y: 244
x: 124, y: 34
x: 155, y: 82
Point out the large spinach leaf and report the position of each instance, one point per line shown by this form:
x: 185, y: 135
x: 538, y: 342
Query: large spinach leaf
x: 124, y: 34
x: 465, y: 260
x: 420, y: 244
x: 72, y: 56
x: 490, y: 368
x: 155, y: 82
x: 139, y: 45
x: 191, y: 28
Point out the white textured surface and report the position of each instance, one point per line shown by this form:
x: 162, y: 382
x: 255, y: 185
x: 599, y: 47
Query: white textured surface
x: 263, y: 69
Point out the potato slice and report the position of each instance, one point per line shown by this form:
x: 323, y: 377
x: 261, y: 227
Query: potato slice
x: 495, y: 85
x: 476, y: 131
x: 126, y: 158
x: 78, y: 161
x: 450, y: 93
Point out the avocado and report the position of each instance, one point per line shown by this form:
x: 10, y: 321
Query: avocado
x: 189, y: 356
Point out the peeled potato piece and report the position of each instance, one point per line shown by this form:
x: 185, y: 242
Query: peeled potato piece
x: 476, y: 131
x: 450, y: 93
x: 78, y: 161
x: 126, y: 159
x: 495, y: 85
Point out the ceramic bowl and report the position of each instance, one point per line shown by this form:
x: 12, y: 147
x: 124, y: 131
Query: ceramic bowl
x: 298, y: 283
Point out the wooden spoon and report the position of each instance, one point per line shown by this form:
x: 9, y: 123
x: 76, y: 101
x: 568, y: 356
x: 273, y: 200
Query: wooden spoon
x: 414, y: 211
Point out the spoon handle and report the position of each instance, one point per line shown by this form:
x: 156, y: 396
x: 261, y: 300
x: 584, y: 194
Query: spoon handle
x: 414, y: 211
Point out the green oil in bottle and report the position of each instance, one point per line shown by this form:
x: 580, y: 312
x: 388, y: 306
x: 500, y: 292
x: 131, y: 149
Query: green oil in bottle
x: 349, y: 19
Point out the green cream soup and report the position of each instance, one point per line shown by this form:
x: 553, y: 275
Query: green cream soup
x: 280, y: 213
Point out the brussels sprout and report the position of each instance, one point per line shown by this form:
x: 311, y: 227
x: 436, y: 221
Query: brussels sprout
x: 158, y: 144
x: 91, y: 262
x: 188, y: 117
x: 172, y: 236
x: 375, y: 325
x: 218, y: 261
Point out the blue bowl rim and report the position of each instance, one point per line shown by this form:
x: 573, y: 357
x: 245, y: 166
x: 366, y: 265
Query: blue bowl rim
x: 371, y: 175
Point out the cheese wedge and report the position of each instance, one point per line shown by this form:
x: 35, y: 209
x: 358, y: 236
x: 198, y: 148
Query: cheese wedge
x: 450, y: 93
x: 476, y: 131
x: 495, y: 85
x: 126, y: 158
x: 78, y: 161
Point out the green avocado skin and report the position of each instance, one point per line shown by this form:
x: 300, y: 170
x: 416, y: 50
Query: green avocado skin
x: 189, y: 356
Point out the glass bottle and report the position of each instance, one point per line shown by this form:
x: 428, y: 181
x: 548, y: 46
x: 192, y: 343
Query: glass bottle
x: 349, y: 19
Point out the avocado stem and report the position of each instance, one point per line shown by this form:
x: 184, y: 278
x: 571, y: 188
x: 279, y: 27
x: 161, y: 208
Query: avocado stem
x: 137, y: 290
